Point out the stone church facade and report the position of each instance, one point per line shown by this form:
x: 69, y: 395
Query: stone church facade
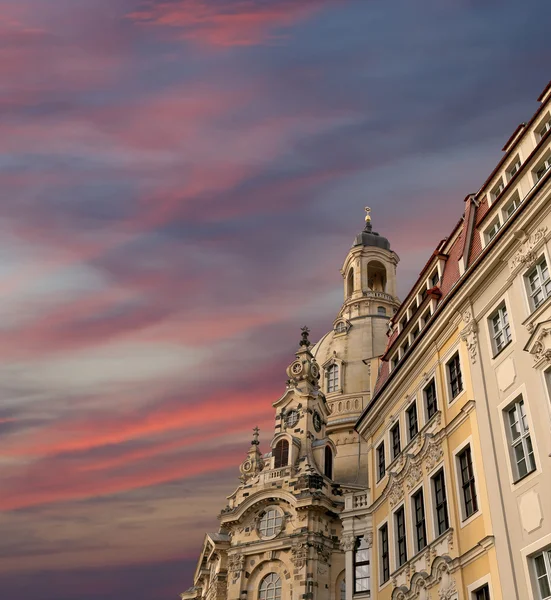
x: 410, y: 458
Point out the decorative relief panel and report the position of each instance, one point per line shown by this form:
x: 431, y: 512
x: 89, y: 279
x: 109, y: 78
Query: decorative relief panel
x: 469, y: 334
x: 526, y: 255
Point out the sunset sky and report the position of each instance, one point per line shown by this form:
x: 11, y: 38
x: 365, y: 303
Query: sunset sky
x: 180, y: 183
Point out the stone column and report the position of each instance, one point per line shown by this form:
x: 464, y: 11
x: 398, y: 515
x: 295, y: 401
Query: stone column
x: 348, y: 544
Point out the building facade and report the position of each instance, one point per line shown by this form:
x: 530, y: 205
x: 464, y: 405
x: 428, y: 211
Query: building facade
x: 410, y: 457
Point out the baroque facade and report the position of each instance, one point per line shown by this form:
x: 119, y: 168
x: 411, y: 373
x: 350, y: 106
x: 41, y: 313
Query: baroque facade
x: 410, y: 455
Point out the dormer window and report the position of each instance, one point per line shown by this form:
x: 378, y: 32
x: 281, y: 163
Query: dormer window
x: 435, y: 278
x: 514, y: 167
x: 491, y: 232
x: 497, y: 189
x: 394, y: 363
x: 403, y: 323
x: 332, y: 378
x: 340, y: 328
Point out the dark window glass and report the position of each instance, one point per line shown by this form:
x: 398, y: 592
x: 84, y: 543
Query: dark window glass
x: 400, y: 524
x: 441, y: 505
x: 395, y: 438
x: 413, y: 425
x: 362, y: 567
x: 542, y: 564
x: 381, y: 461
x: 430, y: 399
x: 482, y: 593
x: 328, y: 462
x: 454, y: 374
x: 385, y: 557
x: 281, y: 454
x: 420, y: 527
x: 470, y: 503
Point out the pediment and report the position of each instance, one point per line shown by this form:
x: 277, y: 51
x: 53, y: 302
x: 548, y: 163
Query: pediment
x: 539, y: 344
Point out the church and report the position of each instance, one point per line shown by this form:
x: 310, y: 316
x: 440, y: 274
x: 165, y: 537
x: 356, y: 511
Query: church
x: 280, y: 532
x: 410, y: 456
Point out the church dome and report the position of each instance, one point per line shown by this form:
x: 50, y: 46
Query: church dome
x: 370, y: 238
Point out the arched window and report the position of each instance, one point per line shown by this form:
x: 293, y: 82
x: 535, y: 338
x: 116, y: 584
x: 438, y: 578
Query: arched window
x: 328, y: 462
x: 376, y: 276
x: 271, y: 521
x: 342, y: 589
x: 281, y: 454
x: 350, y: 283
x: 381, y: 310
x: 270, y: 587
x: 333, y: 378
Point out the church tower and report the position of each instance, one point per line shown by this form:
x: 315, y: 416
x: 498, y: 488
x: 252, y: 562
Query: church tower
x: 347, y: 354
x: 279, y: 533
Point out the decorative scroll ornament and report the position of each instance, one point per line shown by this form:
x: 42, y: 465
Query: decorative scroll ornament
x: 540, y: 351
x: 432, y: 456
x: 470, y: 334
x: 526, y: 254
x: 396, y: 493
x: 448, y: 587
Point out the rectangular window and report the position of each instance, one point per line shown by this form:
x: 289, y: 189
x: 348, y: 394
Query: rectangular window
x: 470, y: 502
x: 544, y: 127
x: 500, y: 329
x: 419, y: 517
x: 482, y: 593
x: 454, y: 376
x: 440, y: 502
x: 492, y: 230
x: 413, y: 424
x: 426, y: 317
x: 542, y: 567
x: 539, y: 284
x: 513, y: 167
x: 498, y: 188
x: 430, y: 399
x: 520, y: 440
x: 511, y: 206
x: 381, y: 461
x: 542, y: 169
x: 400, y: 529
x: 333, y: 378
x: 414, y: 332
x: 435, y: 278
x: 395, y: 440
x: 362, y: 568
x: 385, y: 557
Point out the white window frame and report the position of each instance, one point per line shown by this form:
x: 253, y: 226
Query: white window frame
x: 525, y: 432
x: 543, y: 126
x: 476, y: 585
x: 543, y: 163
x: 527, y: 553
x: 500, y: 315
x: 432, y: 500
x: 492, y: 230
x: 514, y: 201
x: 546, y: 554
x: 497, y: 189
x: 514, y: 167
x: 526, y: 276
x: 415, y: 551
x: 459, y: 483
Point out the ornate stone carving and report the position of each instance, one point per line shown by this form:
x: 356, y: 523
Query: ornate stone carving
x: 433, y: 455
x: 348, y: 542
x: 540, y: 351
x: 236, y: 562
x: 324, y: 553
x: 448, y: 587
x: 299, y: 554
x: 369, y: 539
x: 470, y: 336
x: 526, y: 254
x: 396, y: 493
x: 414, y: 476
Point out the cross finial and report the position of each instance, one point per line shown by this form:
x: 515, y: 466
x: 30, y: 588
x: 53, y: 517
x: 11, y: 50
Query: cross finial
x: 367, y: 218
x: 255, y: 441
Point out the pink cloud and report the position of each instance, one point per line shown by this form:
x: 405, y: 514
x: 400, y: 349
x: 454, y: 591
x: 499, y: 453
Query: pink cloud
x: 235, y: 23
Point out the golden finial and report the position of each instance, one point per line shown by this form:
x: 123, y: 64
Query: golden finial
x: 367, y: 214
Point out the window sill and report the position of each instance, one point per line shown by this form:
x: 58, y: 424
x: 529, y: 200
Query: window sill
x: 536, y: 312
x: 471, y: 518
x: 502, y: 350
x: 524, y: 477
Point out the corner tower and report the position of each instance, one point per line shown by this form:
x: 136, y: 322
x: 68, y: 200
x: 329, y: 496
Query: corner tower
x: 348, y: 354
